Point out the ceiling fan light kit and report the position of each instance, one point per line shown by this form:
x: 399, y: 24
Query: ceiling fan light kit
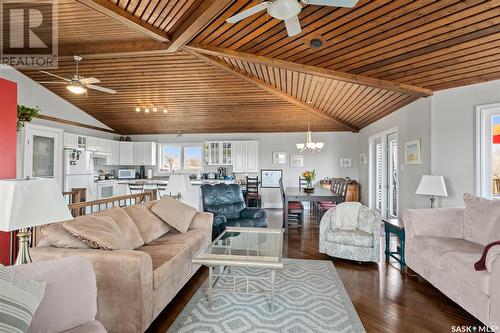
x: 288, y: 11
x: 76, y: 89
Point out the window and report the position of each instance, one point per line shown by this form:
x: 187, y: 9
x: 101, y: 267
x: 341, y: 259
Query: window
x: 488, y: 151
x: 170, y: 158
x: 378, y: 175
x: 193, y: 157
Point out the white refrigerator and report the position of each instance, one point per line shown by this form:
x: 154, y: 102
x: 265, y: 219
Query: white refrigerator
x: 79, y: 172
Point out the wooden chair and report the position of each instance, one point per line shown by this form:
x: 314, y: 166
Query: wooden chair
x: 252, y: 196
x: 295, y: 209
x: 162, y: 190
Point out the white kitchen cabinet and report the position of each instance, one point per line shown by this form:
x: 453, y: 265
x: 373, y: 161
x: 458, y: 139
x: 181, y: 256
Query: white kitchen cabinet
x: 245, y: 156
x: 70, y: 141
x: 220, y: 152
x: 145, y: 153
x: 126, y: 153
x: 82, y: 142
x: 114, y: 153
x: 91, y: 143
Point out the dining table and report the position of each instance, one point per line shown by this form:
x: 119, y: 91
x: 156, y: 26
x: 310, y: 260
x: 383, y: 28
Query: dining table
x: 298, y: 194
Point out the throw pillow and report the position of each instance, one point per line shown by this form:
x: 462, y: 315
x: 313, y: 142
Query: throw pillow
x: 150, y: 226
x: 60, y: 237
x: 481, y: 219
x: 125, y: 224
x: 19, y: 299
x: 175, y: 213
x: 98, y: 232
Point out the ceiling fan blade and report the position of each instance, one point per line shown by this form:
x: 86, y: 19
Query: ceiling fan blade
x: 90, y: 80
x: 106, y: 90
x: 249, y: 12
x: 54, y: 75
x: 332, y: 3
x: 293, y: 26
x: 56, y: 82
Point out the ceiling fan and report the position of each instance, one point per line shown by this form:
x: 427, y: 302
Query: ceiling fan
x: 288, y: 11
x: 78, y: 84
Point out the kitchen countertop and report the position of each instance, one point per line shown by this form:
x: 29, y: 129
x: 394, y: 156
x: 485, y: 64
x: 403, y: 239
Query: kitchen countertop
x: 165, y: 181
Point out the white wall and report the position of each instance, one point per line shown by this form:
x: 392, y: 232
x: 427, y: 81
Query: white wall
x: 453, y: 136
x: 32, y: 94
x: 326, y: 162
x: 412, y: 122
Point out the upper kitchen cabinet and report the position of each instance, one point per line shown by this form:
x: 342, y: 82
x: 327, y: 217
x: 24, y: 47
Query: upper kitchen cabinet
x: 245, y: 155
x: 219, y: 152
x: 114, y: 153
x: 70, y: 141
x: 126, y: 153
x: 145, y: 153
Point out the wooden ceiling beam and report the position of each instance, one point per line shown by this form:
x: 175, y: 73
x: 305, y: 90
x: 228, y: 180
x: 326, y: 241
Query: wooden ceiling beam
x: 197, y: 21
x: 119, y: 14
x: 113, y: 49
x: 267, y: 87
x: 312, y: 70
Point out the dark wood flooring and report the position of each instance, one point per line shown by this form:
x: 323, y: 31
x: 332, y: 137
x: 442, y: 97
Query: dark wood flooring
x: 386, y: 300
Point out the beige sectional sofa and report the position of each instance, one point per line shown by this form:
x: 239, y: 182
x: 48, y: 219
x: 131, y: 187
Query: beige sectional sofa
x: 135, y: 285
x: 442, y: 246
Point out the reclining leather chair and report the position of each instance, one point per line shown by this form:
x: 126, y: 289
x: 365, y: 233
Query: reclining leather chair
x: 228, y: 206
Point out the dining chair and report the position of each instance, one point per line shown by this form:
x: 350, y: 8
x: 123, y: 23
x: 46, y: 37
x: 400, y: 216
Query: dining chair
x: 252, y: 196
x: 339, y: 187
x: 295, y: 209
x: 162, y: 190
x: 303, y: 184
x: 135, y: 189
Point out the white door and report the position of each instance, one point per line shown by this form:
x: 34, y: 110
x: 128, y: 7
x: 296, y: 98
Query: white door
x: 43, y: 152
x: 384, y: 175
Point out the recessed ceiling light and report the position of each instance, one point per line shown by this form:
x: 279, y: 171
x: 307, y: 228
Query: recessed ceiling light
x: 155, y: 109
x: 137, y: 109
x: 146, y: 110
x: 165, y: 111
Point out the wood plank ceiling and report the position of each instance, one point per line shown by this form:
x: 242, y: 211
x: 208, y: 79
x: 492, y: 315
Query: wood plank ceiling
x: 251, y: 77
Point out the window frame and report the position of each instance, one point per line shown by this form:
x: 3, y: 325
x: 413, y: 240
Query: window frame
x: 182, y: 154
x: 160, y: 157
x: 484, y: 179
x: 184, y: 160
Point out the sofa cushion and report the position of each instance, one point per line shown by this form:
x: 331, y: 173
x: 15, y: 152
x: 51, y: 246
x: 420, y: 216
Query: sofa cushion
x: 71, y: 293
x: 481, y: 219
x: 434, y: 249
x: 195, y: 239
x: 175, y: 213
x: 60, y: 237
x: 149, y: 225
x: 171, y: 263
x: 125, y: 224
x: 98, y: 232
x: 19, y: 299
x: 461, y: 265
x: 349, y: 237
x: 90, y: 327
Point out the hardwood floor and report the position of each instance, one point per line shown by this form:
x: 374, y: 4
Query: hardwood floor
x: 386, y: 300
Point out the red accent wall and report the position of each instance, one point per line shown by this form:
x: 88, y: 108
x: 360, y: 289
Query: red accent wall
x: 8, y: 121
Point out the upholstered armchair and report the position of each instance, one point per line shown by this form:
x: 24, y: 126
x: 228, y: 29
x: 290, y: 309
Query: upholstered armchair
x: 228, y: 206
x: 360, y: 244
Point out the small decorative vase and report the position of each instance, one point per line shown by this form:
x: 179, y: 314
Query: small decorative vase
x: 309, y: 187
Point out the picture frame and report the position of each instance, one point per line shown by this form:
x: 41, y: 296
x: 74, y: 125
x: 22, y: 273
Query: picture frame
x: 270, y: 178
x: 280, y: 157
x: 345, y: 162
x: 296, y: 160
x: 362, y: 158
x: 413, y: 154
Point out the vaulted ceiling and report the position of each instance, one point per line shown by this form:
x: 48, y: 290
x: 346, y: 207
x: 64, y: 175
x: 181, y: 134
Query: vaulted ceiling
x: 213, y: 76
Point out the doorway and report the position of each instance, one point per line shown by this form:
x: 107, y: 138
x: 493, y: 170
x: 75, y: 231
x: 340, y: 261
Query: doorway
x: 384, y: 173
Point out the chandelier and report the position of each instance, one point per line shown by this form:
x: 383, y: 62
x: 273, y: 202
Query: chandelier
x: 310, y: 144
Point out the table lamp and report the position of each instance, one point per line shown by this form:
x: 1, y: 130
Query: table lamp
x: 433, y: 186
x: 178, y: 184
x: 26, y: 203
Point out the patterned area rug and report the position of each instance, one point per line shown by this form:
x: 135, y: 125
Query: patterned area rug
x: 310, y: 297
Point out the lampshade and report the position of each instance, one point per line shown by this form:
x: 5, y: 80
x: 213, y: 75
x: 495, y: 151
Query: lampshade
x: 432, y: 185
x: 178, y: 184
x: 29, y: 203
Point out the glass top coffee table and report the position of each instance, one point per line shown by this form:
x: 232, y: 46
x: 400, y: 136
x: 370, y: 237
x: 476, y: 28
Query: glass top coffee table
x: 243, y: 247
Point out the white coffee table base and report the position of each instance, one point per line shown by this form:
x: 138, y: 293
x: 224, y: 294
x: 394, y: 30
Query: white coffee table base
x: 213, y: 277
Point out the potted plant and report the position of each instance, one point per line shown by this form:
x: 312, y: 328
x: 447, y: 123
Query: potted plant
x: 25, y: 114
x: 309, y: 177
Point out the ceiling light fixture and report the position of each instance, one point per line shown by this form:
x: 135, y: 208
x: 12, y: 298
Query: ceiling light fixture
x: 165, y: 111
x: 310, y: 144
x: 146, y: 110
x: 137, y: 109
x: 155, y: 109
x: 76, y: 89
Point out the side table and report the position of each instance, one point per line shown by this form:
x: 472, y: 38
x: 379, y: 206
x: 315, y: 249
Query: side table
x: 396, y: 227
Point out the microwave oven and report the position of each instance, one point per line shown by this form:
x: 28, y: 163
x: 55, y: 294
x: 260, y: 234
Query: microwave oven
x: 126, y: 173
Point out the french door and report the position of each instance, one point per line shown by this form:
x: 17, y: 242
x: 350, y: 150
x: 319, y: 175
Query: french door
x: 43, y: 152
x: 384, y: 175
